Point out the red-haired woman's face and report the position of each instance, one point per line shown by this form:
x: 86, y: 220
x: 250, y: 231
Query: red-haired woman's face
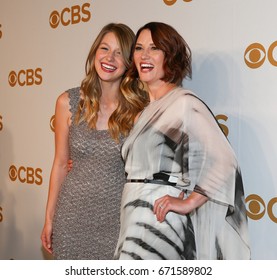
x: 148, y: 59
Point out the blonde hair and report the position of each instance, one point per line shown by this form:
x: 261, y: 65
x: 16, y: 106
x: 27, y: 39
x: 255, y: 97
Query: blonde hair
x: 129, y: 105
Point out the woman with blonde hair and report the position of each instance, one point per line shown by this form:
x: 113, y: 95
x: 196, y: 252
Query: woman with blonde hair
x: 91, y: 123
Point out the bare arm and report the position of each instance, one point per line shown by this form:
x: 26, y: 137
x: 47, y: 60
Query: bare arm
x: 59, y: 167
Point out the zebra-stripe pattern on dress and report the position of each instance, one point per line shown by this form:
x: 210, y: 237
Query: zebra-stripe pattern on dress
x: 186, y: 251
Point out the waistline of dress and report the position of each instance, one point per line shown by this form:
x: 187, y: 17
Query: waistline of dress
x: 151, y: 181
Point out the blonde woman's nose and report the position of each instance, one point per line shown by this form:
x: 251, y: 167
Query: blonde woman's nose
x: 110, y: 56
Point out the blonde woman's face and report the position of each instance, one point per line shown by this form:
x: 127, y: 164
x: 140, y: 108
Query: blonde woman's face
x: 109, y: 61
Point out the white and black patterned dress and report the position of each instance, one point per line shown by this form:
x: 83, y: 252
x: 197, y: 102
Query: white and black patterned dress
x: 86, y: 221
x: 177, y: 136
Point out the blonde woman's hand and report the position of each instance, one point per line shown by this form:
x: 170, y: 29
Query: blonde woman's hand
x: 46, y: 237
x: 69, y: 165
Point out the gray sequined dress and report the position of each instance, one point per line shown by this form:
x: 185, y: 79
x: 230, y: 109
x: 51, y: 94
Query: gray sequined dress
x: 86, y: 220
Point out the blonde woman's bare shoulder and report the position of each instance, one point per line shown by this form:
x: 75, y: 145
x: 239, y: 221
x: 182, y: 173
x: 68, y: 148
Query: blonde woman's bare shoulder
x: 63, y: 106
x: 63, y: 100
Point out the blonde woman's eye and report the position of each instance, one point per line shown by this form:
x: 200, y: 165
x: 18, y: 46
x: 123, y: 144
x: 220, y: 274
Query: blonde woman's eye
x: 138, y: 48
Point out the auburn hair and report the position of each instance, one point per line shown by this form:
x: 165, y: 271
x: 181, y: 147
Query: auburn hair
x: 177, y: 53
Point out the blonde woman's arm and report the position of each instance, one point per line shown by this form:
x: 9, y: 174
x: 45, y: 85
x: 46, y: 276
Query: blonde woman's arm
x: 59, y: 167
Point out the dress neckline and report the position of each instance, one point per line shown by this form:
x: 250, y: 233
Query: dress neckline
x: 166, y: 94
x: 163, y: 97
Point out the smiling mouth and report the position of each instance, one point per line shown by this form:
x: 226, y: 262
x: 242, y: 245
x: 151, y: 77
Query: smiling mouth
x: 146, y: 66
x: 108, y: 67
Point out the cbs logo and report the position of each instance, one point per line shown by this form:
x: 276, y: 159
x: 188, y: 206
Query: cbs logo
x: 172, y: 2
x: 1, y: 123
x: 1, y: 215
x: 72, y: 15
x: 256, y: 207
x: 223, y: 126
x: 26, y: 77
x: 27, y: 175
x: 255, y: 55
x: 52, y: 123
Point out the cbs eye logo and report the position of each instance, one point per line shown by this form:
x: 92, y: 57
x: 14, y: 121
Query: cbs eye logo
x: 72, y: 15
x: 256, y: 207
x: 256, y: 54
x: 52, y: 123
x: 27, y: 175
x: 224, y: 128
x: 172, y: 2
x: 1, y: 123
x: 28, y: 77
